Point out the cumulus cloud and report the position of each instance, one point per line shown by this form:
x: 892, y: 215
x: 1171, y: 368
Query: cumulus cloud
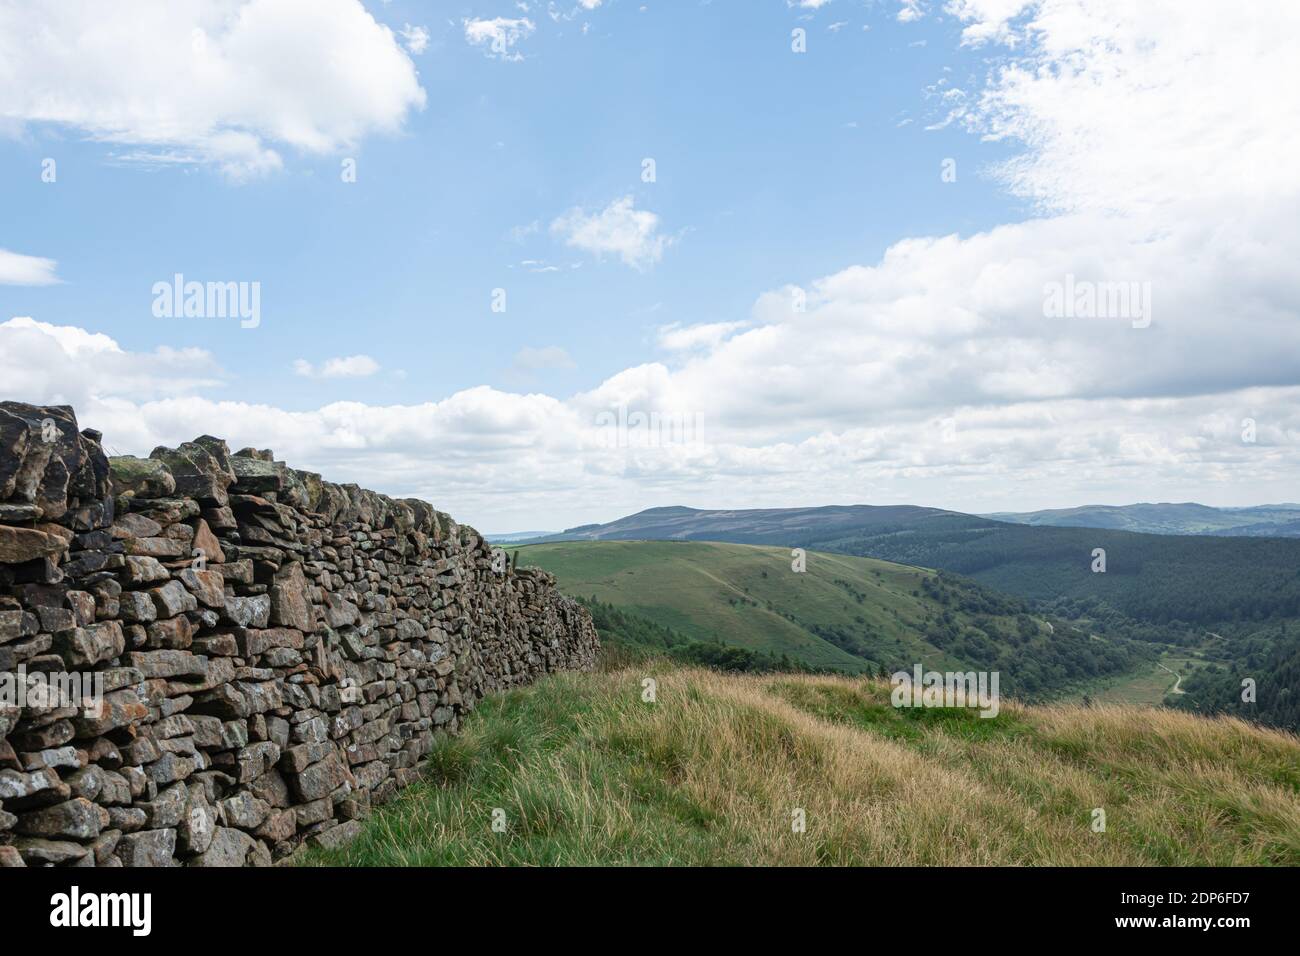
x: 465, y: 452
x: 619, y: 229
x: 498, y: 35
x: 351, y: 366
x: 226, y: 83
x: 933, y: 375
x: 18, y: 269
x: 43, y: 363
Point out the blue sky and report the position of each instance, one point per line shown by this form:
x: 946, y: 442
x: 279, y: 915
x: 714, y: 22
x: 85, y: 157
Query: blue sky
x: 923, y: 371
x: 762, y: 176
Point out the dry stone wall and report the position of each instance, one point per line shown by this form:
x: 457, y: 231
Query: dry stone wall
x: 262, y: 655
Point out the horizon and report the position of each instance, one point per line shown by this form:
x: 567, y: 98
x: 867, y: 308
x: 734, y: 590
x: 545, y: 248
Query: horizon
x: 992, y: 514
x: 900, y: 251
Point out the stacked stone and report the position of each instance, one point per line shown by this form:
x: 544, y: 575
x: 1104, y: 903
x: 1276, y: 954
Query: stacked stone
x: 276, y: 651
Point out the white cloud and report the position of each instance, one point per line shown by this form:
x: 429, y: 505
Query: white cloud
x: 499, y: 35
x: 52, y: 364
x: 226, y: 83
x: 18, y: 269
x: 351, y: 366
x: 1096, y: 78
x: 465, y: 452
x: 618, y: 229
x: 910, y: 11
x: 416, y: 39
x: 679, y: 338
x: 930, y: 375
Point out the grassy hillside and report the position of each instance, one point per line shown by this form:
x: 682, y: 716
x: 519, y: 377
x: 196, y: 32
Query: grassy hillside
x: 1151, y: 578
x: 846, y: 613
x: 1156, y: 578
x: 580, y: 770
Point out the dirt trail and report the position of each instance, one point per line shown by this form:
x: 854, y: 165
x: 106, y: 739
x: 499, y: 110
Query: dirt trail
x: 1177, y: 688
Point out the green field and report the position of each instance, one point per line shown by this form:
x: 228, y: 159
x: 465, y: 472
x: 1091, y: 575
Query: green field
x: 1146, y: 685
x: 846, y: 613
x: 749, y: 596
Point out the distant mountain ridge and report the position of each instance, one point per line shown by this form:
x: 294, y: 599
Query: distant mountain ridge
x: 1273, y: 521
x: 794, y: 527
x: 758, y: 525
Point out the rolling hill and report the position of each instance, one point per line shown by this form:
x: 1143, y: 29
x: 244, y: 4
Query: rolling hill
x: 845, y: 613
x: 1198, y: 580
x: 789, y: 527
x: 1166, y: 518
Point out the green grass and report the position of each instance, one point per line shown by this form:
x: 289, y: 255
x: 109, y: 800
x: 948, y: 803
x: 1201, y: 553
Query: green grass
x: 583, y: 771
x: 742, y: 595
x: 1145, y: 686
x: 844, y: 613
x: 748, y: 596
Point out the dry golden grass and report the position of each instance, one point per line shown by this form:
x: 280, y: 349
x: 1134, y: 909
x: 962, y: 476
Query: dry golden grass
x: 714, y: 771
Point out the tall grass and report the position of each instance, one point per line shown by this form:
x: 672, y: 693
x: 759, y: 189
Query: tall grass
x: 580, y: 770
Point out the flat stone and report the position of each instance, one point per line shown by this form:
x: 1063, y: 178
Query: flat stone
x: 41, y: 852
x: 16, y: 623
x: 320, y: 779
x: 206, y: 543
x: 143, y: 570
x: 137, y: 606
x: 161, y: 548
x: 201, y: 469
x: 167, y: 809
x: 167, y: 663
x: 338, y: 836
x: 85, y: 646
x: 130, y: 526
x: 279, y: 826
x: 169, y: 768
x: 18, y: 545
x: 254, y: 611
x: 229, y: 847
x: 256, y: 759
x: 207, y: 586
x: 140, y: 477
x: 243, y: 810
x: 172, y: 599
x: 77, y: 819
x: 147, y: 848
x: 176, y: 633
x: 15, y: 785
x: 290, y: 599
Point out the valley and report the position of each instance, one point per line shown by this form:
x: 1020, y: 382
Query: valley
x: 844, y: 613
